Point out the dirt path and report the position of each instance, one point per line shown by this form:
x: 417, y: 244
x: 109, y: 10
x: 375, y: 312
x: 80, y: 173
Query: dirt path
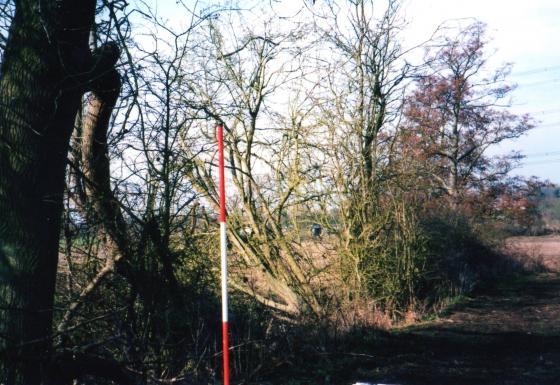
x: 508, y: 336
x: 503, y: 335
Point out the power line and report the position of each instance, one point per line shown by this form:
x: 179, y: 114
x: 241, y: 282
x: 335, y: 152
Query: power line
x: 557, y: 160
x: 543, y: 112
x: 546, y: 125
x: 535, y: 71
x: 542, y: 154
x: 540, y: 82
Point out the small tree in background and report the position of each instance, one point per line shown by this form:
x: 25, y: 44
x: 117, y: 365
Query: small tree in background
x: 457, y: 112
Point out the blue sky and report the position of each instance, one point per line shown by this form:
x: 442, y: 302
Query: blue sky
x: 525, y: 33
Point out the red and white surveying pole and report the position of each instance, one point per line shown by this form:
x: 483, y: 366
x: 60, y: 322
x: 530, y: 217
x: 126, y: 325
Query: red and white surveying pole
x: 223, y: 252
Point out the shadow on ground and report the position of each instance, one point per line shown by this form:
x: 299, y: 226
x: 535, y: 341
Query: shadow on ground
x: 510, y: 334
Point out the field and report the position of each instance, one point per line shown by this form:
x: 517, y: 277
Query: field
x: 545, y: 249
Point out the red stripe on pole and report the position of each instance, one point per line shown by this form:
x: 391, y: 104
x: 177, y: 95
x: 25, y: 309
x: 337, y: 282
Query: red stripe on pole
x: 225, y: 347
x: 221, y: 167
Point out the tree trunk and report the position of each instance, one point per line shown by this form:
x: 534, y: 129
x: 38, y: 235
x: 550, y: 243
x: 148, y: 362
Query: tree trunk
x: 46, y: 69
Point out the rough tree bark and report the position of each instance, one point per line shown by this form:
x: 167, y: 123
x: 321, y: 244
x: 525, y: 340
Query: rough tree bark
x: 46, y: 69
x: 96, y: 173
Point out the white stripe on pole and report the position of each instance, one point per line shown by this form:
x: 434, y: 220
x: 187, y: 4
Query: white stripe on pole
x: 223, y: 253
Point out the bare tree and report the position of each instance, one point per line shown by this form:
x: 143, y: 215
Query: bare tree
x: 361, y: 102
x: 130, y: 188
x: 238, y: 88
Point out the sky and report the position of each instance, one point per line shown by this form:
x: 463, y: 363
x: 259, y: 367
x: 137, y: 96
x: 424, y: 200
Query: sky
x: 525, y: 33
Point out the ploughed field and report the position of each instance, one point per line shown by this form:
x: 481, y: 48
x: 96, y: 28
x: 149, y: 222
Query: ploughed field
x: 545, y: 249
